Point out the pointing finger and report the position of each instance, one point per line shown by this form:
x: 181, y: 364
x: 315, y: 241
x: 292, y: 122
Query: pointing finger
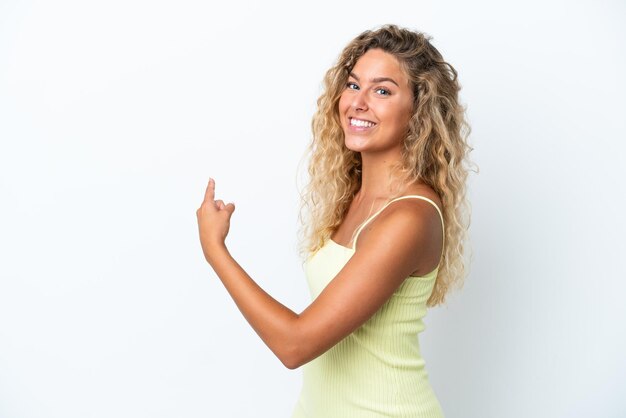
x: 209, y: 194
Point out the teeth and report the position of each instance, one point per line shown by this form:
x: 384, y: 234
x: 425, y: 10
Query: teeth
x: 362, y: 123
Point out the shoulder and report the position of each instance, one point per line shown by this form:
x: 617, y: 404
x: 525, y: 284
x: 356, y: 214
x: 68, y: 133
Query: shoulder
x: 425, y: 191
x: 416, y: 210
x: 411, y: 228
x: 411, y: 218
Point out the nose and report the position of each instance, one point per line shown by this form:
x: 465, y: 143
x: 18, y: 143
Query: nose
x: 359, y: 100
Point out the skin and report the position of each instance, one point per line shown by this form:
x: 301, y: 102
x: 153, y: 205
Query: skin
x: 405, y: 239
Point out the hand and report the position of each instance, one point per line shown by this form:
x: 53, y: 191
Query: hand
x: 213, y: 220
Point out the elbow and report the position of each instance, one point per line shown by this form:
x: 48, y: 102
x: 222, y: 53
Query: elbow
x: 291, y: 358
x: 291, y: 365
x: 295, y: 350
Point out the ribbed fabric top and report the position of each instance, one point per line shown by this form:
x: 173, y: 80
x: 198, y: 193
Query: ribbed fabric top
x: 377, y: 370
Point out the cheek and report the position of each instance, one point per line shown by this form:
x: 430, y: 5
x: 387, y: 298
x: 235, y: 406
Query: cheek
x: 401, y: 122
x: 343, y: 103
x: 407, y: 114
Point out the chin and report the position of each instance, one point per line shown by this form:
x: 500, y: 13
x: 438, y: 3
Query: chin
x: 355, y: 144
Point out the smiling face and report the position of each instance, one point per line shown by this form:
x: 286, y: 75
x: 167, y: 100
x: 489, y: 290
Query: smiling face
x: 376, y: 104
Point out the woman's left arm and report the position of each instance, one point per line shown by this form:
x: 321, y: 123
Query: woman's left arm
x: 272, y: 321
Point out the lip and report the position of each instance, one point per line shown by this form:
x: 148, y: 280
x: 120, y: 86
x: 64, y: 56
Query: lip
x: 356, y: 129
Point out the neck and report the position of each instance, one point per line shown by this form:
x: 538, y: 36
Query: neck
x: 375, y: 180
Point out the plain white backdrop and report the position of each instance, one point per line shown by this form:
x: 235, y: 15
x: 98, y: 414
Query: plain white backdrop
x: 114, y: 114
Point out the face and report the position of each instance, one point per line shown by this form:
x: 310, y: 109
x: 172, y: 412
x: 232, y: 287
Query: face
x: 376, y: 104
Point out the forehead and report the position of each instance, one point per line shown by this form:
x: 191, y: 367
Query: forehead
x: 378, y: 63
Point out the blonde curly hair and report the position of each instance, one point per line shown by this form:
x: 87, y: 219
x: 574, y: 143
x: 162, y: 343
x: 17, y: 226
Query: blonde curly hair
x: 435, y: 149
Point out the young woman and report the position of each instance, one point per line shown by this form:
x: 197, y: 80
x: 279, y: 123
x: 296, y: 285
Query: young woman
x: 384, y: 231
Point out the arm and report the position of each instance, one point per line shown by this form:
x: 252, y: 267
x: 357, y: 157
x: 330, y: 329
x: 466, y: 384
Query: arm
x: 271, y: 320
x: 399, y: 241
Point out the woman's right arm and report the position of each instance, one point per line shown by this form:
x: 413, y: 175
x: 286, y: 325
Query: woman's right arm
x: 396, y: 243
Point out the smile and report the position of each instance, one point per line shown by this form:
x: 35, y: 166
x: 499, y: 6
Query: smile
x: 361, y: 123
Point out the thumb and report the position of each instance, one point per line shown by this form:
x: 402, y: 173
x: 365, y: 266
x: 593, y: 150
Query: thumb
x: 230, y: 208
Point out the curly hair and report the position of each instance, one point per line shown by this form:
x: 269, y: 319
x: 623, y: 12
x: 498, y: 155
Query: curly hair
x: 434, y: 151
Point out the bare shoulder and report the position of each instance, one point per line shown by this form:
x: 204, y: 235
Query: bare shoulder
x: 412, y: 227
x: 410, y: 215
x: 425, y: 191
x: 416, y: 219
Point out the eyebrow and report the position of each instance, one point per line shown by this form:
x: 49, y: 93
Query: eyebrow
x: 377, y: 79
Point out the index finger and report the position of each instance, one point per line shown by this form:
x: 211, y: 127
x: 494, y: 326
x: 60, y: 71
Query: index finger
x: 209, y: 194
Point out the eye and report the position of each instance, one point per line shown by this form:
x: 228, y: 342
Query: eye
x: 383, y: 91
x: 352, y: 86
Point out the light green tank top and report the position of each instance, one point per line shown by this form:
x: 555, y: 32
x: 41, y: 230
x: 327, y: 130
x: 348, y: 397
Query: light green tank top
x: 377, y: 370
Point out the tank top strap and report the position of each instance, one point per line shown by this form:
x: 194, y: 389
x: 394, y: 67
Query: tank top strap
x: 364, y: 224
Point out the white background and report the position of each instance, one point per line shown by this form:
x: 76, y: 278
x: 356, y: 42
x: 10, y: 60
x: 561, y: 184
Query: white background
x: 114, y: 114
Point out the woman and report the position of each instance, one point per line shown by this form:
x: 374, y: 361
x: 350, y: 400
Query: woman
x: 384, y: 233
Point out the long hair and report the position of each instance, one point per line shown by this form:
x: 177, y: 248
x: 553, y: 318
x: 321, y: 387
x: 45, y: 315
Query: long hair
x: 435, y: 149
